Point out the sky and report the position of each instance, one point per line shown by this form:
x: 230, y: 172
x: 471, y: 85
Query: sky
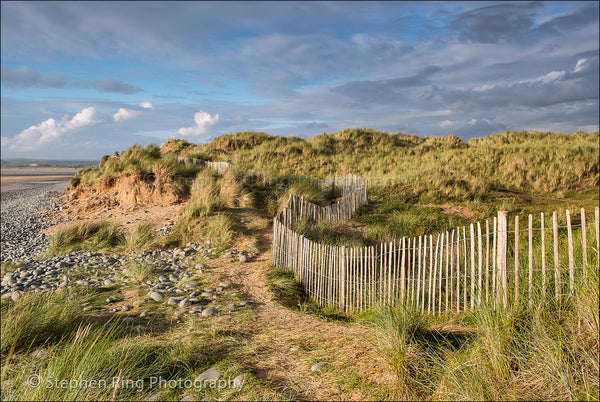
x: 83, y: 79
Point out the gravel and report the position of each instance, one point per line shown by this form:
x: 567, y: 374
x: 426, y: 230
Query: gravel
x: 24, y: 214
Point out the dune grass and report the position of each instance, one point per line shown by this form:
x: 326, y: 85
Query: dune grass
x: 100, y: 236
x: 548, y: 352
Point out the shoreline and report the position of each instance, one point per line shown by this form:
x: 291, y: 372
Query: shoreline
x: 13, y: 179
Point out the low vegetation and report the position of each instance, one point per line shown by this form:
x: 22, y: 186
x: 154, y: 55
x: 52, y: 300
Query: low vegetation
x: 416, y: 186
x: 547, y: 352
x: 101, y: 236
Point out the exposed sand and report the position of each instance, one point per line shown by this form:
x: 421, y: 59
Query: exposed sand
x: 18, y: 182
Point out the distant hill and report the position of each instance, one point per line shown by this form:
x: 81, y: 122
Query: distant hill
x: 21, y: 162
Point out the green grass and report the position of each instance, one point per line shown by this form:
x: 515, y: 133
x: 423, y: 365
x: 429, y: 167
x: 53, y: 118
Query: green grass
x: 100, y: 236
x: 548, y: 352
x: 290, y: 293
x: 39, y: 318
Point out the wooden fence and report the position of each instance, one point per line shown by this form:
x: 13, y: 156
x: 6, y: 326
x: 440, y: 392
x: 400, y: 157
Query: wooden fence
x: 220, y: 167
x: 492, y: 262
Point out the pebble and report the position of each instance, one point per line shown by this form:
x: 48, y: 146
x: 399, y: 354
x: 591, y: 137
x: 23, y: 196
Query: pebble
x: 156, y: 296
x: 318, y: 366
x: 212, y: 374
x: 21, y: 220
x: 209, y: 311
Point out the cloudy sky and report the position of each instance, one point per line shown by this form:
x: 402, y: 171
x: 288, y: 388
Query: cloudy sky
x: 84, y: 79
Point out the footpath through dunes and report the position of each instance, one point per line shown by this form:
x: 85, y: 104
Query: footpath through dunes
x: 288, y: 343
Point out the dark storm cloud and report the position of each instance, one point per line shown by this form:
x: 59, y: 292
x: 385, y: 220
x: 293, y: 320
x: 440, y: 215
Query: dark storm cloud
x: 111, y: 85
x: 492, y: 24
x: 516, y: 23
x: 555, y: 87
x: 25, y: 77
x: 384, y: 91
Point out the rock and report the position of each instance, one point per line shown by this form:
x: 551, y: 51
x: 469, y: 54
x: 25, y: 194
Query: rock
x: 163, y: 278
x: 107, y: 282
x: 209, y: 311
x: 244, y: 303
x: 208, y: 295
x: 83, y: 282
x: 156, y: 296
x: 243, y: 257
x: 318, y: 366
x: 192, y: 285
x: 173, y: 300
x: 88, y: 307
x: 188, y: 397
x: 138, y: 302
x: 212, y: 374
x: 128, y: 320
x: 238, y: 382
x: 126, y: 308
x: 111, y: 299
x: 144, y: 314
x: 224, y: 284
x: 15, y: 295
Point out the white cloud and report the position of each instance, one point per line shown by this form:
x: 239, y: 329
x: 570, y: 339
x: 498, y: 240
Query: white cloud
x: 580, y: 65
x: 125, y: 114
x: 445, y: 123
x: 146, y: 105
x: 51, y: 130
x: 203, y: 120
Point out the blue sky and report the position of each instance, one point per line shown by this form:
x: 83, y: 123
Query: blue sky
x: 84, y: 79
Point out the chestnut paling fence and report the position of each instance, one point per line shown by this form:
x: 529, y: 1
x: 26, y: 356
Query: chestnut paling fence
x: 493, y: 262
x: 220, y: 166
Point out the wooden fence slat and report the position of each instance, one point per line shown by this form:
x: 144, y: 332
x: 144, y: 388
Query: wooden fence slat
x: 583, y: 239
x: 440, y: 275
x: 502, y: 248
x: 472, y: 229
x: 557, y: 281
x: 543, y: 241
x: 466, y: 274
x: 530, y: 271
x: 516, y: 258
x: 487, y: 259
x: 480, y: 251
x: 448, y: 289
x: 458, y: 270
x: 571, y: 258
x: 494, y: 262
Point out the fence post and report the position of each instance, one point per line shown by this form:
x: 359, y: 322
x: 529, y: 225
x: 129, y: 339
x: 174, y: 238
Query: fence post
x: 517, y: 258
x: 571, y: 258
x: 557, y: 284
x: 501, y: 257
x: 584, y: 238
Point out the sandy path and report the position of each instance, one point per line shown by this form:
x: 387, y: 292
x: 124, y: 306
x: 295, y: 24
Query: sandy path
x: 291, y: 341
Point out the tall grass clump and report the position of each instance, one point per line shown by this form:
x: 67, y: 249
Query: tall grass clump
x: 142, y: 237
x: 333, y: 233
x: 546, y: 352
x: 401, y: 331
x: 90, y: 354
x: 38, y: 318
x: 101, y: 235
